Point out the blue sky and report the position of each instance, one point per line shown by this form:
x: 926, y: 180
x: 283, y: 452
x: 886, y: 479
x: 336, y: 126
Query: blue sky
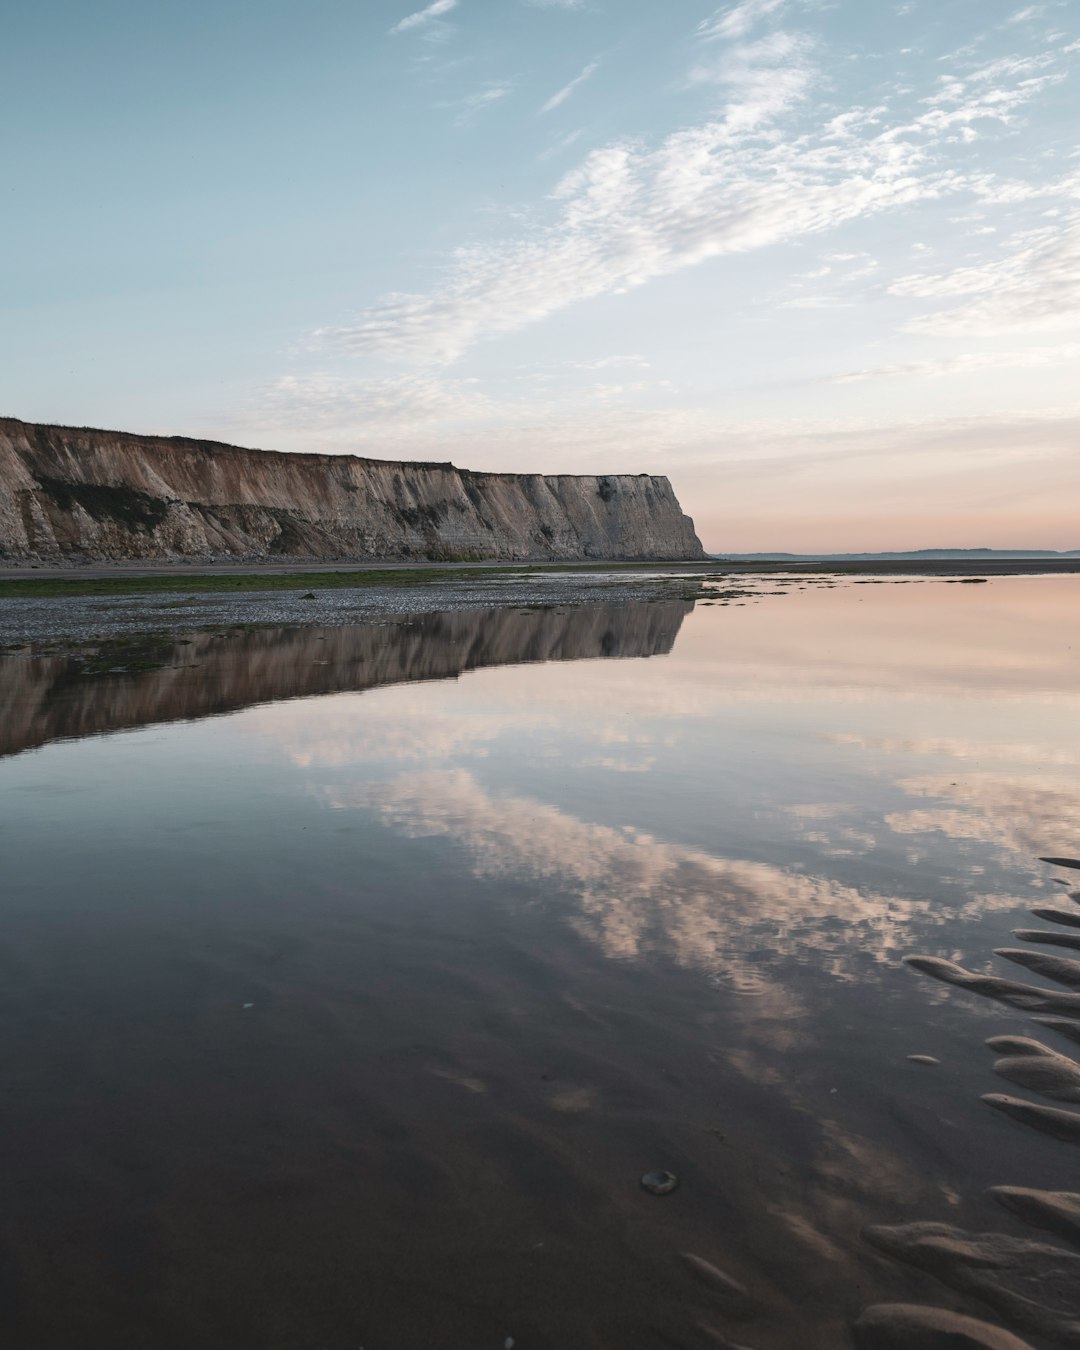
x: 819, y: 262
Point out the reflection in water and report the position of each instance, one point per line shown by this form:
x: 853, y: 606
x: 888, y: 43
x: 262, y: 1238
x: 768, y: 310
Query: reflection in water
x: 1017, y: 816
x: 635, y: 895
x: 356, y: 1019
x: 53, y: 698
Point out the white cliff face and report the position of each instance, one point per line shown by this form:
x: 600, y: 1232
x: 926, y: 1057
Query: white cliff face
x: 67, y: 492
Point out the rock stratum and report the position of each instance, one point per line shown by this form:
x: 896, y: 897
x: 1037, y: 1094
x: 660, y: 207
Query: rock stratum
x: 76, y: 493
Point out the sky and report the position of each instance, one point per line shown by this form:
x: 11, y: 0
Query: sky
x: 816, y: 260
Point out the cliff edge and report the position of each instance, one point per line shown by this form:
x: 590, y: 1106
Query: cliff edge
x: 68, y: 492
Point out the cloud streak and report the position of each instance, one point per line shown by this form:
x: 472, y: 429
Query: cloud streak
x: 470, y: 107
x: 1036, y: 286
x: 737, y: 20
x: 1029, y: 359
x: 560, y: 97
x: 422, y: 17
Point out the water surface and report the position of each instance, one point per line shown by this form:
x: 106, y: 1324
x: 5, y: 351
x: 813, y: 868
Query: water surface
x: 352, y: 977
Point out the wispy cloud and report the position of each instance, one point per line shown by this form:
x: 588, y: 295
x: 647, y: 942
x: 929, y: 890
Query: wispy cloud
x: 961, y: 364
x: 555, y: 4
x: 422, y: 17
x: 628, y: 214
x: 563, y: 143
x: 749, y: 178
x: 564, y: 93
x: 735, y: 21
x: 762, y: 79
x: 470, y: 107
x: 1036, y: 286
x: 612, y: 363
x: 391, y: 408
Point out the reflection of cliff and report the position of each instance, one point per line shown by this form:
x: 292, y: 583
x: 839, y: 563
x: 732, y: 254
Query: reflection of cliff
x: 52, y: 698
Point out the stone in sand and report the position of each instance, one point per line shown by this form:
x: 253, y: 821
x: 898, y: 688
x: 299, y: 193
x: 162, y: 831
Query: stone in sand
x: 923, y: 1059
x: 906, y: 1326
x: 1063, y: 1125
x: 1065, y: 916
x: 714, y: 1277
x: 1027, y: 996
x: 1033, y: 1286
x: 1060, y: 969
x: 1062, y: 862
x: 1055, y: 1211
x: 660, y: 1182
x: 1049, y: 936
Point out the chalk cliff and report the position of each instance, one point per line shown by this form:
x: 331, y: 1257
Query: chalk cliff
x: 70, y: 492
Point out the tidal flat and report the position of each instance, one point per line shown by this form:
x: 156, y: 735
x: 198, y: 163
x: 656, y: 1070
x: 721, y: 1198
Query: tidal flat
x: 364, y: 953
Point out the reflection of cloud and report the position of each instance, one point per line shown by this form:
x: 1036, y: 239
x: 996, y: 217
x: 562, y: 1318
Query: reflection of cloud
x: 952, y: 747
x: 620, y: 765
x: 954, y: 824
x: 634, y: 894
x: 1028, y: 816
x: 817, y: 810
x: 344, y: 732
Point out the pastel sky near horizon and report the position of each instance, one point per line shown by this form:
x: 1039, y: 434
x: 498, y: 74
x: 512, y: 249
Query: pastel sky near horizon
x: 816, y: 260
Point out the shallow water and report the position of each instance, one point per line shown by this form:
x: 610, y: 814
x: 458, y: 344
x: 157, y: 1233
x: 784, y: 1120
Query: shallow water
x: 352, y: 977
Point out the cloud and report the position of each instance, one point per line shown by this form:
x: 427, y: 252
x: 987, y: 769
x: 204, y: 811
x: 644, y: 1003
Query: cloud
x: 737, y: 20
x: 762, y: 79
x: 563, y: 143
x: 474, y: 104
x: 555, y: 4
x: 422, y: 17
x: 627, y: 215
x: 564, y: 93
x: 1036, y: 286
x: 611, y: 363
x: 748, y: 178
x: 364, y: 410
x: 1027, y: 359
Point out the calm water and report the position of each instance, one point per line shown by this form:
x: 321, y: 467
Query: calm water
x: 351, y: 978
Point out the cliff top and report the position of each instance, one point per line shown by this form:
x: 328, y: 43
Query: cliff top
x: 214, y: 449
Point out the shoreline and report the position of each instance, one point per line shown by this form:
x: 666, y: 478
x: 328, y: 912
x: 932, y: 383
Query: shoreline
x: 131, y: 577
x: 49, y: 616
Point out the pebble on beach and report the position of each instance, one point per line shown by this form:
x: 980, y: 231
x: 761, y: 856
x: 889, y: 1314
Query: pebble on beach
x: 660, y: 1182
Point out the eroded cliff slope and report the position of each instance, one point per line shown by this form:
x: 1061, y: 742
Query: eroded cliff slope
x: 75, y: 493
